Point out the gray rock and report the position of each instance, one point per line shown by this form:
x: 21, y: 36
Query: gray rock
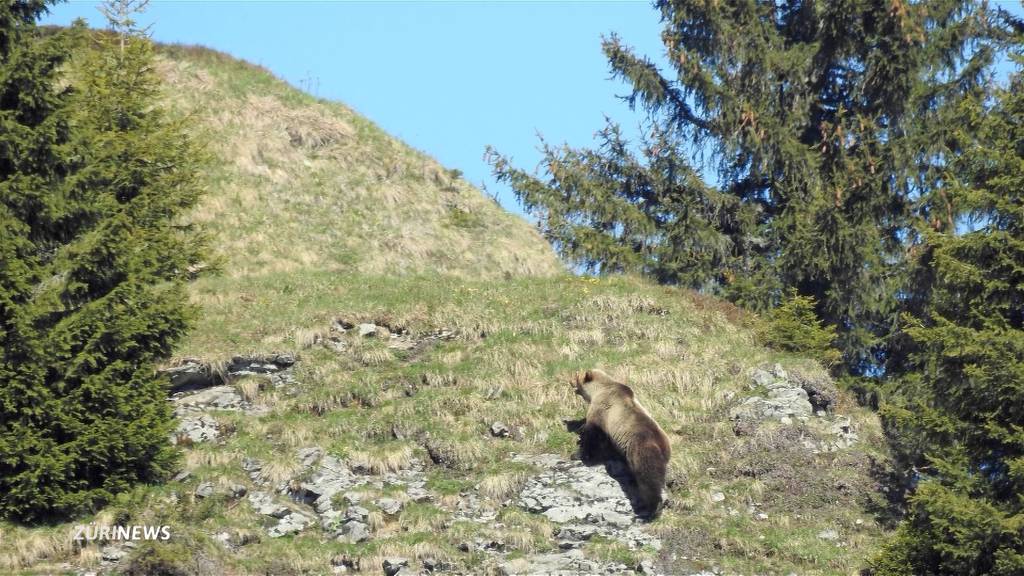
x: 219, y: 397
x: 785, y: 402
x: 331, y: 478
x: 224, y: 538
x: 419, y: 493
x: 290, y: 524
x: 309, y: 456
x: 779, y: 372
x: 245, y: 366
x: 113, y: 553
x: 431, y: 564
x: 761, y: 377
x: 646, y: 567
x: 191, y: 374
x: 389, y: 506
x: 574, y: 495
x: 576, y: 532
x: 563, y: 514
x: 500, y: 430
x: 821, y: 391
x: 253, y: 468
x: 787, y: 394
x: 569, y: 562
x: 828, y: 534
x: 391, y: 566
x: 251, y: 464
x: 357, y: 513
x: 354, y: 532
x: 367, y: 329
x: 204, y: 490
x: 264, y: 504
x: 196, y: 429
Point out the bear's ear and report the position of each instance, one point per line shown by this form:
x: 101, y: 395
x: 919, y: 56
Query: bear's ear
x: 577, y: 380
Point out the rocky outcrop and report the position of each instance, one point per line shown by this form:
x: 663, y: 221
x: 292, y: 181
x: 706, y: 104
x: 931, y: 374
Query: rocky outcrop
x: 195, y: 428
x: 193, y: 374
x: 581, y: 502
x: 197, y: 388
x: 795, y: 399
x: 783, y: 400
x: 395, y: 337
x: 584, y: 501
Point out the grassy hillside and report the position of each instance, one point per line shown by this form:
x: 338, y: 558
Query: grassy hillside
x: 324, y: 223
x: 300, y: 184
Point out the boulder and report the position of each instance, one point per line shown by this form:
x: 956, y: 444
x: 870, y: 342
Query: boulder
x: 354, y: 532
x: 196, y: 429
x: 500, y: 430
x: 391, y: 566
x: 828, y: 534
x: 309, y: 456
x: 218, y: 397
x: 290, y: 524
x: 204, y: 490
x: 389, y: 506
x: 264, y: 504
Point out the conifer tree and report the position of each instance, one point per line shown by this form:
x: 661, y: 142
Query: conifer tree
x: 93, y: 185
x: 957, y: 408
x: 821, y: 121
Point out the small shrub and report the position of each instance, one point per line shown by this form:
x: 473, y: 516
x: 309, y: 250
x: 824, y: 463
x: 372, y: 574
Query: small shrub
x: 794, y: 327
x: 461, y: 218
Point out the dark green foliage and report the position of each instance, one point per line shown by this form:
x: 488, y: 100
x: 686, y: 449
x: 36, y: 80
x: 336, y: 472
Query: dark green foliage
x: 793, y: 326
x: 94, y: 259
x: 609, y: 211
x: 956, y: 409
x: 823, y: 121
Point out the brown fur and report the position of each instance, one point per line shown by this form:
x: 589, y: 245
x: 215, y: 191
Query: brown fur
x: 615, y: 411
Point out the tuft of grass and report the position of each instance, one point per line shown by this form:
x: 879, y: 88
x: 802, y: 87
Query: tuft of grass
x: 248, y: 389
x: 503, y: 484
x: 382, y: 458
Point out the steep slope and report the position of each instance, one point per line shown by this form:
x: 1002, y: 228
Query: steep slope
x: 380, y: 375
x: 300, y: 185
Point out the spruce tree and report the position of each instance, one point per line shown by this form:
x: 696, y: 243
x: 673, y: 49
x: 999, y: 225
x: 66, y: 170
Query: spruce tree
x: 957, y: 408
x: 820, y: 121
x: 93, y: 186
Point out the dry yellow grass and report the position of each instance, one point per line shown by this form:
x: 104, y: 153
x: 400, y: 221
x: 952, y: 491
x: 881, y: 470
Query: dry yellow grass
x: 196, y: 458
x: 21, y: 548
x: 301, y: 168
x: 248, y: 389
x: 381, y: 459
x: 279, y: 469
x: 502, y: 485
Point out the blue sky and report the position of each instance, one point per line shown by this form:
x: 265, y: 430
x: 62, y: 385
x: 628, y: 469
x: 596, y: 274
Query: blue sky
x: 448, y: 78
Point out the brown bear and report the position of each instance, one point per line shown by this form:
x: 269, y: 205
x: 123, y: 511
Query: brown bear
x: 615, y: 412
